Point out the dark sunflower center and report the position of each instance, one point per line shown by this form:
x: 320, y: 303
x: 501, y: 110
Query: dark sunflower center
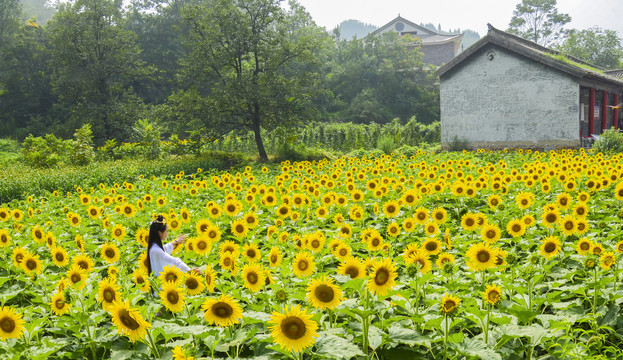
x: 127, y: 320
x: 7, y: 324
x: 38, y: 234
x: 75, y: 278
x: 549, y: 247
x: 173, y: 297
x: 470, y: 222
x: 343, y: 252
x: 75, y: 220
x: 59, y: 304
x: 551, y: 218
x: 409, y: 198
x: 353, y: 271
x: 302, y: 265
x: 192, y: 283
x: 202, y: 245
x: 493, y: 296
x: 170, y: 277
x: 293, y: 327
x: 324, y: 293
x: 59, y: 256
x: 597, y: 250
x: 31, y: 264
x: 222, y: 310
x: 118, y: 232
x: 494, y: 202
x: 585, y: 246
x: 391, y: 209
x: 239, y: 228
x: 376, y: 241
x: 109, y: 295
x: 127, y: 210
x: 449, y: 305
x: 524, y: 202
x: 431, y: 246
x: 4, y: 238
x: 381, y: 277
x: 251, y: 253
x: 227, y: 261
x: 110, y: 253
x: 274, y: 258
x: 563, y: 201
x: 421, y: 216
x: 569, y: 225
x: 516, y: 228
x: 483, y: 256
x: 491, y: 234
x: 252, y: 278
x: 203, y: 227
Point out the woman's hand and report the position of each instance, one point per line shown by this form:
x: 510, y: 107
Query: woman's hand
x: 197, y: 270
x: 180, y: 240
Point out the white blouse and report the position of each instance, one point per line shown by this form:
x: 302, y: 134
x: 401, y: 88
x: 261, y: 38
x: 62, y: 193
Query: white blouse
x: 159, y: 259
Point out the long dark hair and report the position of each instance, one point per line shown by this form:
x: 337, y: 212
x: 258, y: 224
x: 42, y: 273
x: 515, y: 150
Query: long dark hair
x: 158, y: 225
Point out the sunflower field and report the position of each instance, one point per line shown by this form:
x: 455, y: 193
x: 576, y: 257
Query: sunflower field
x: 505, y: 255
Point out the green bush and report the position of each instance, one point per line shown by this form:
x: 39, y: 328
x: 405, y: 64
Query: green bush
x: 19, y: 181
x: 610, y: 141
x: 82, y: 147
x: 45, y: 152
x: 9, y: 145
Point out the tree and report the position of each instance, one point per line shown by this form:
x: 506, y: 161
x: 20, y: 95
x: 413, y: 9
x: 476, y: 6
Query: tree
x: 539, y: 21
x: 10, y: 11
x: 259, y: 58
x: 596, y: 46
x: 95, y: 59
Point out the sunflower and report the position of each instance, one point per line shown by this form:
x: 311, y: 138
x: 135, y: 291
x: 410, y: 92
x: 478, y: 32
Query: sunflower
x: 516, y: 228
x: 492, y: 294
x: 315, y: 242
x: 491, y: 233
x: 480, y: 257
x: 180, y: 354
x: 322, y: 212
x: 50, y: 239
x: 568, y: 225
x: 58, y: 304
x: 172, y: 296
x: 128, y: 320
x: 110, y: 252
x: 59, y: 256
x: 584, y: 246
x: 232, y: 207
x: 421, y: 259
x: 382, y: 276
x: 619, y: 247
x: 274, y: 257
x: 38, y: 235
x: 161, y: 201
x: 293, y: 330
x: 444, y: 258
x: 31, y: 264
x: 563, y: 200
x: 420, y: 216
x: 223, y: 311
x: 580, y: 210
x: 432, y: 246
x: 352, y: 267
x: 524, y: 200
x: 391, y: 208
x: 118, y: 232
x: 393, y: 229
x: 76, y: 275
x: 74, y: 219
x: 251, y: 220
x: 18, y: 255
x: 108, y: 292
x: 11, y: 323
x: 229, y: 247
x: 128, y: 210
x: 303, y: 264
x: 449, y: 303
x: 254, y: 277
x: 550, y: 247
x: 597, y: 249
x: 322, y: 293
x: 494, y: 201
x: 239, y: 228
x: 345, y: 231
x: 139, y: 276
x: 550, y: 217
x: 607, y: 259
x: 5, y: 238
x: 228, y: 261
x: 269, y: 200
x: 202, y: 245
x: 84, y: 262
x: 469, y: 221
x: 172, y: 274
x: 431, y: 228
x: 375, y: 241
x: 194, y: 283
x: 5, y: 214
x: 210, y: 278
x: 17, y: 214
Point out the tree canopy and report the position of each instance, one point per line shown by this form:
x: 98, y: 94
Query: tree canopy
x: 539, y: 21
x: 594, y: 45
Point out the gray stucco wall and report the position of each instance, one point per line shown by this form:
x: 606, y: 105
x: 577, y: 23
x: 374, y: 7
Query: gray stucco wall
x: 506, y: 100
x: 438, y: 54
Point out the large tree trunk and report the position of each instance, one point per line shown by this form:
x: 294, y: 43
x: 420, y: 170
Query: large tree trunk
x: 257, y: 130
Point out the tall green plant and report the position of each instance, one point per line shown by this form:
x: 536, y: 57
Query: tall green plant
x: 82, y: 147
x: 149, y: 134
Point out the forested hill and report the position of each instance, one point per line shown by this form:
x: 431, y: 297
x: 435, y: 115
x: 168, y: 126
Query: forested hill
x: 355, y: 28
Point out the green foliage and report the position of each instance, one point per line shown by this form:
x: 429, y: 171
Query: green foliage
x: 149, y: 135
x: 597, y: 46
x: 538, y: 21
x: 17, y: 180
x: 609, y: 142
x: 9, y: 145
x: 45, y: 152
x: 458, y: 144
x: 82, y: 147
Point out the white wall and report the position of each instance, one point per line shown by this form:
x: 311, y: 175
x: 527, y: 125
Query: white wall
x: 508, y: 101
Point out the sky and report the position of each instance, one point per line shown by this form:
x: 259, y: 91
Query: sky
x: 463, y: 14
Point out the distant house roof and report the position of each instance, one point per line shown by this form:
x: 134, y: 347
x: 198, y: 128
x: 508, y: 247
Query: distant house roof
x: 586, y: 73
x: 401, y: 19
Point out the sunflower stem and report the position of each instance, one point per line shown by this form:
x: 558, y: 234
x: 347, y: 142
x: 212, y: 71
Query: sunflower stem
x: 152, y: 345
x: 486, y: 327
x: 365, y: 323
x: 596, y: 285
x: 445, y: 336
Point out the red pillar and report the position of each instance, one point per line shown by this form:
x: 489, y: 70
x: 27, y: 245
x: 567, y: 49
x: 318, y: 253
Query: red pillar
x: 604, y: 112
x: 591, y: 112
x: 615, y: 112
